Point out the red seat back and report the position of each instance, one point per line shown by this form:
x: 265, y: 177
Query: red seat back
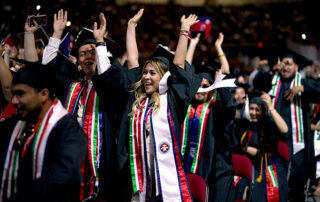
x: 197, y: 187
x: 283, y: 151
x: 242, y: 166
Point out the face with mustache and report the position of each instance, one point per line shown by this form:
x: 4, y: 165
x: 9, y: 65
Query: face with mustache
x: 289, y: 69
x: 87, y: 59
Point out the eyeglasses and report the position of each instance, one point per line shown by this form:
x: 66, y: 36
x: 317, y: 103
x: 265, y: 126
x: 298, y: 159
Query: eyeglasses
x: 84, y: 53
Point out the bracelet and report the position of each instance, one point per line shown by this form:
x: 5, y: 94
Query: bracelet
x: 184, y: 31
x: 221, y: 55
x: 186, y: 35
x: 28, y: 33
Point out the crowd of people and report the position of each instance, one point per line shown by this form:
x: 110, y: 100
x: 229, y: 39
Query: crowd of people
x: 95, y: 125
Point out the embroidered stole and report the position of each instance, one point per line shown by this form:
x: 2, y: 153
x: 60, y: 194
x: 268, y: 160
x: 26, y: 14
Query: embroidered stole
x: 38, y: 142
x: 92, y: 126
x: 171, y: 181
x: 296, y: 111
x: 193, y: 133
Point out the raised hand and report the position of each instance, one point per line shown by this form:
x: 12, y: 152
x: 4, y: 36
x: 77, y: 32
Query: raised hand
x: 29, y: 29
x: 135, y: 19
x: 196, y: 39
x: 219, y: 40
x: 186, y: 23
x: 99, y: 33
x: 59, y: 23
x: 267, y: 100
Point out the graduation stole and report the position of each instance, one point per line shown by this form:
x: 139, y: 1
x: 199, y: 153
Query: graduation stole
x: 193, y: 132
x: 296, y: 111
x: 170, y: 177
x: 317, y: 141
x: 38, y: 142
x: 272, y: 183
x: 92, y: 125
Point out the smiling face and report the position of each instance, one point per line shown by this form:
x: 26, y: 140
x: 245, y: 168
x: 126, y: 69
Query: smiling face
x: 27, y: 101
x: 87, y: 59
x: 255, y: 111
x: 203, y: 97
x: 240, y: 95
x: 150, y: 79
x: 290, y: 68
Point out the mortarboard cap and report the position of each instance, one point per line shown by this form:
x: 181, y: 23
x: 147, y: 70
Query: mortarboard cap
x: 163, y: 53
x: 206, y: 71
x: 85, y: 36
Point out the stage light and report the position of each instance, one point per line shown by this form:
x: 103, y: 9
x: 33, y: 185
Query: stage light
x: 260, y: 44
x: 38, y: 7
x: 68, y: 23
x: 303, y: 36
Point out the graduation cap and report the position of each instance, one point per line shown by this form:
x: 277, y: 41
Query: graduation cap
x: 85, y: 36
x: 206, y: 71
x: 299, y: 59
x: 64, y: 66
x: 162, y: 53
x: 203, y: 26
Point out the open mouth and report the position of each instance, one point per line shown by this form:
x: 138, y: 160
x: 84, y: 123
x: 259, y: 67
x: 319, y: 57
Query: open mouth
x: 88, y: 64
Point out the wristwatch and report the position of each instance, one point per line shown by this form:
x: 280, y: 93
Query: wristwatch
x: 101, y: 44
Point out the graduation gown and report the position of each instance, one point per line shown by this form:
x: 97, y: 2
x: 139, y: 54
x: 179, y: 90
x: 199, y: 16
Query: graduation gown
x: 110, y: 88
x: 181, y: 88
x: 302, y: 161
x: 61, y: 176
x: 265, y: 137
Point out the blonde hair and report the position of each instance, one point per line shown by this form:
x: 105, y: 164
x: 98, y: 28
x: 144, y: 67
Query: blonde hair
x: 140, y: 94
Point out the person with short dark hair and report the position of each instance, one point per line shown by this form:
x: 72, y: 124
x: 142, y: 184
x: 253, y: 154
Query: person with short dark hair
x: 291, y: 96
x: 42, y: 146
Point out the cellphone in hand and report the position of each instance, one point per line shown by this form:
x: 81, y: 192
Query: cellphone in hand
x: 41, y: 20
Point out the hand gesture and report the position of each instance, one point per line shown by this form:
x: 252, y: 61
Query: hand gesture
x: 27, y: 27
x: 196, y: 39
x: 186, y: 23
x: 135, y: 19
x: 219, y: 40
x: 267, y: 100
x: 277, y: 67
x: 59, y: 23
x: 291, y: 93
x: 99, y: 33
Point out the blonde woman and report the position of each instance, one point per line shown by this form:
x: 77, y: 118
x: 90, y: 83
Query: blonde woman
x: 149, y: 159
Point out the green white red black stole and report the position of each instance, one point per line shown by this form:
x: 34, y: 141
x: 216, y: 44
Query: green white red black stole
x: 272, y: 183
x: 193, y: 133
x: 37, y: 141
x: 92, y: 126
x: 171, y: 182
x: 296, y: 111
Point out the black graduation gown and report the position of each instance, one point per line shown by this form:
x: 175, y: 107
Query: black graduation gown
x: 61, y: 175
x: 109, y: 87
x: 265, y: 137
x: 302, y: 161
x: 181, y: 88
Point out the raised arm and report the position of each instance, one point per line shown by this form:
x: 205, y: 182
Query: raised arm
x: 59, y: 24
x: 5, y: 76
x: 30, y: 52
x: 181, y: 51
x: 192, y: 47
x: 278, y: 120
x: 131, y: 42
x: 222, y: 57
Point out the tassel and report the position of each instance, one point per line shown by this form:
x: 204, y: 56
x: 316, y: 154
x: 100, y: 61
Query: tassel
x: 242, y: 137
x: 259, y: 179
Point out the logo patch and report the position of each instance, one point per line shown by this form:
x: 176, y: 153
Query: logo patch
x: 164, y: 147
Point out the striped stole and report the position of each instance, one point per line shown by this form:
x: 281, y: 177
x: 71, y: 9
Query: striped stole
x: 193, y: 132
x: 296, y: 111
x: 92, y: 126
x: 37, y: 141
x: 171, y: 182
